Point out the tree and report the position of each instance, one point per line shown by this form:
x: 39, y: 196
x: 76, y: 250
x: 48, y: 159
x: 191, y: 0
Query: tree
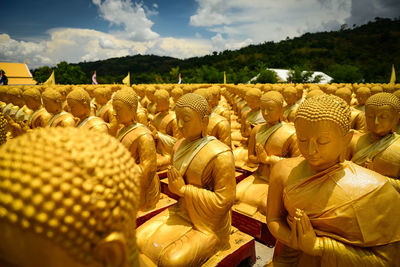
x: 298, y: 75
x: 42, y: 74
x: 345, y: 73
x: 266, y: 76
x: 67, y: 74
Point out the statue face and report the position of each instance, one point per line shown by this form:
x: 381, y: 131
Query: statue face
x: 271, y: 111
x: 78, y: 109
x: 253, y: 102
x: 289, y: 97
x: 31, y: 102
x: 124, y: 113
x: 101, y: 99
x: 189, y: 123
x: 162, y: 104
x: 381, y: 120
x: 362, y: 98
x: 51, y: 106
x: 321, y: 143
x: 344, y: 96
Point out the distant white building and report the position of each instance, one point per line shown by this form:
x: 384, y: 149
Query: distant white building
x: 283, y: 76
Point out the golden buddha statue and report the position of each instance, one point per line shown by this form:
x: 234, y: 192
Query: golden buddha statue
x: 252, y: 116
x: 79, y: 102
x: 218, y: 106
x: 52, y: 102
x: 327, y: 211
x: 268, y: 143
x: 291, y: 98
x: 378, y: 149
x: 176, y: 93
x: 3, y: 129
x: 40, y: 117
x: 218, y: 126
x: 138, y: 139
x: 102, y: 96
x: 362, y: 94
x: 63, y: 204
x: 151, y: 106
x: 203, y: 176
x: 357, y: 121
x: 9, y: 109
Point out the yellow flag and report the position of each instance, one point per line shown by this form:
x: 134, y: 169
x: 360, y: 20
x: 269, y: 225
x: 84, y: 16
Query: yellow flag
x: 224, y: 77
x: 51, y: 80
x: 393, y: 77
x: 127, y: 79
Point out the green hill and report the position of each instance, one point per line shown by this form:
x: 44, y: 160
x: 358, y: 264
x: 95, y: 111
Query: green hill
x: 364, y: 53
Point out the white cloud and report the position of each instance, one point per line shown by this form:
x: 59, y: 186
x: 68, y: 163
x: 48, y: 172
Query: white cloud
x: 219, y: 43
x: 132, y: 17
x: 261, y: 20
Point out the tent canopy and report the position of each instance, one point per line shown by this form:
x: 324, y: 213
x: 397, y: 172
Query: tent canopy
x: 17, y: 73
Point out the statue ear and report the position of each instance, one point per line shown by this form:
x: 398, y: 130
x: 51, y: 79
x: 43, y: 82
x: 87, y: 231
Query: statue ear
x: 112, y: 250
x: 348, y: 137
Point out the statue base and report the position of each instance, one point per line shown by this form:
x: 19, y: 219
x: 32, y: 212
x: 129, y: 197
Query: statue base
x: 164, y: 203
x: 242, y: 249
x: 255, y: 226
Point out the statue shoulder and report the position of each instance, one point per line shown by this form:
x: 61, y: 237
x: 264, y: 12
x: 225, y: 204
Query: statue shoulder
x: 287, y: 169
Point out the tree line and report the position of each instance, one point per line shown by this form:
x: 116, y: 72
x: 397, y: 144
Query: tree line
x: 358, y: 54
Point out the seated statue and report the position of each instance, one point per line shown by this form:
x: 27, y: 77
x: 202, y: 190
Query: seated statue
x: 378, y: 149
x: 138, y: 139
x: 79, y: 103
x: 151, y: 106
x: 63, y: 204
x: 40, y: 117
x: 165, y: 129
x: 291, y: 98
x: 176, y: 93
x: 327, y: 211
x: 268, y: 143
x: 357, y: 121
x: 52, y: 102
x: 104, y: 103
x: 218, y: 126
x: 362, y: 94
x: 203, y: 176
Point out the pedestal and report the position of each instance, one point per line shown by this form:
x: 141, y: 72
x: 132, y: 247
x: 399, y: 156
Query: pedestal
x: 164, y: 203
x: 255, y: 226
x: 242, y: 248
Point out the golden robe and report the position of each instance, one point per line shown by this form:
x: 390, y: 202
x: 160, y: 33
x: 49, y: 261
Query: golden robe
x: 94, y: 123
x: 354, y: 210
x: 219, y: 127
x: 135, y: 138
x: 382, y: 156
x: 39, y: 118
x: 195, y: 228
x: 62, y: 119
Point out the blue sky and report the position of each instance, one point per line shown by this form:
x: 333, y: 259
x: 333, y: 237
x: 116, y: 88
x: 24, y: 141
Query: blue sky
x: 45, y: 32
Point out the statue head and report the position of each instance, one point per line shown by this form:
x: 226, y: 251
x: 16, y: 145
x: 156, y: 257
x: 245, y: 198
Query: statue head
x: 52, y: 101
x: 253, y: 96
x: 345, y: 94
x: 314, y: 93
x: 192, y: 113
x: 272, y: 107
x: 3, y: 94
x: 331, y: 89
x: 32, y: 98
x: 69, y: 197
x: 15, y: 96
x: 362, y: 94
x: 376, y: 89
x: 79, y: 102
x: 176, y: 93
x: 125, y: 103
x: 102, y: 94
x: 322, y: 128
x: 382, y: 113
x: 150, y: 90
x: 161, y: 98
x: 207, y: 95
x: 300, y: 90
x: 3, y: 130
x: 290, y: 95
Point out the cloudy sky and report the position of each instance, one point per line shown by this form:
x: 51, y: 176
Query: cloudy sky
x: 45, y: 32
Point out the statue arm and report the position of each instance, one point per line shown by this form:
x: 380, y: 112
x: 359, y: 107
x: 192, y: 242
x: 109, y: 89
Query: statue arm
x: 220, y: 199
x: 335, y: 253
x: 276, y: 212
x: 395, y: 183
x: 148, y: 158
x: 224, y: 133
x: 253, y: 158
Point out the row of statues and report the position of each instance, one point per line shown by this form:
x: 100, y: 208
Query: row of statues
x: 323, y: 163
